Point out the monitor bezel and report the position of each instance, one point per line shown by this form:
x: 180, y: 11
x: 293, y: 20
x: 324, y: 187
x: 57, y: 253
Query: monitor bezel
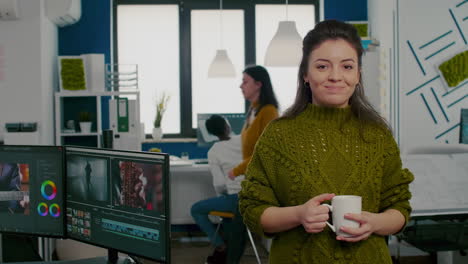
x: 64, y: 186
x: 166, y: 186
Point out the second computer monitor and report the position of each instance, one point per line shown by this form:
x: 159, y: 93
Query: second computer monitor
x: 119, y: 200
x: 205, y: 139
x: 32, y: 190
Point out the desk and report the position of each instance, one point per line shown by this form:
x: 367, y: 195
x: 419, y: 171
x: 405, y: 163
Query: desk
x: 189, y: 184
x: 440, y: 202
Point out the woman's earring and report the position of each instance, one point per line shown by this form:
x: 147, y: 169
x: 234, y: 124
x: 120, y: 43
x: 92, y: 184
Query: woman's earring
x: 306, y: 84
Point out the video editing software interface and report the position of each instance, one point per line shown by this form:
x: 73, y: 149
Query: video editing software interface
x: 32, y: 190
x: 119, y: 200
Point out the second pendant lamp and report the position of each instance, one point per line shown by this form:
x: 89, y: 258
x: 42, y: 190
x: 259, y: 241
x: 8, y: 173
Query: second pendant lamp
x: 285, y: 49
x: 221, y: 66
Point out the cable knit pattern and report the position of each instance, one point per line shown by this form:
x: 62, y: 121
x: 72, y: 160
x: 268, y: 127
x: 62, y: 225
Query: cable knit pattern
x: 321, y: 151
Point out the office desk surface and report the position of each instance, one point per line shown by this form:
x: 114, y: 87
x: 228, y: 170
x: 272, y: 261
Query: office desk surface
x: 189, y: 184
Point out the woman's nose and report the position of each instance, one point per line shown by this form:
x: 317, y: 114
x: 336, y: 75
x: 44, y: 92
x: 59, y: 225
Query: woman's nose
x: 335, y: 74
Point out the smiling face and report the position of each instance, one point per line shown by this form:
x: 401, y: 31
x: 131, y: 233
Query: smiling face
x: 250, y: 88
x: 333, y: 72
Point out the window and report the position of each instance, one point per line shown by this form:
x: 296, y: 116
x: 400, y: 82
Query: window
x: 220, y: 95
x: 148, y: 35
x: 267, y: 17
x: 173, y: 42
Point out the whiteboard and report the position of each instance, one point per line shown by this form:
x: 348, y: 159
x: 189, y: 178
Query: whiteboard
x: 429, y: 32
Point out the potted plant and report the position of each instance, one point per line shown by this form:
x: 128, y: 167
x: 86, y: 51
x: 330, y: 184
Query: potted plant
x: 161, y: 106
x: 84, y: 119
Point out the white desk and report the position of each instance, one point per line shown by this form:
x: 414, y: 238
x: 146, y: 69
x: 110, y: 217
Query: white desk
x: 189, y: 184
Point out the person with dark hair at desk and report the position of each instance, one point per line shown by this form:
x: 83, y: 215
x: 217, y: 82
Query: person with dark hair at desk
x: 222, y: 157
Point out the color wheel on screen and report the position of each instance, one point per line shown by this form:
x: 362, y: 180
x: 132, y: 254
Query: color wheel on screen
x: 42, y: 209
x: 48, y: 190
x: 54, y: 210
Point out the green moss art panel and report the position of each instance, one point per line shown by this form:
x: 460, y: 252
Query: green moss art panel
x: 72, y: 74
x: 455, y: 70
x: 361, y: 29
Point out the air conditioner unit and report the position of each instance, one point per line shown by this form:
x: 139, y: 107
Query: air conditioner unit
x: 63, y: 12
x: 9, y: 9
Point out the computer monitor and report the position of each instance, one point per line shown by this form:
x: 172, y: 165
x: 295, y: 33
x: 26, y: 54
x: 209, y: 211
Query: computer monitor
x: 119, y: 200
x: 32, y: 190
x: 205, y: 139
x: 463, y: 126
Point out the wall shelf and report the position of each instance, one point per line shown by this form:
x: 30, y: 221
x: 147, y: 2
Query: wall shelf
x: 68, y: 105
x: 78, y: 134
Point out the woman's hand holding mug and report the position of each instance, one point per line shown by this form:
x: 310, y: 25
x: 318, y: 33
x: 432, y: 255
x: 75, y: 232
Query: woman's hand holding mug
x: 366, y: 227
x: 313, y: 215
x: 349, y: 222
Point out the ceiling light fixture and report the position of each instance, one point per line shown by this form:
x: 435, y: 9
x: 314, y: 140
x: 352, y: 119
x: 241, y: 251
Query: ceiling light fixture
x: 221, y: 67
x: 285, y: 49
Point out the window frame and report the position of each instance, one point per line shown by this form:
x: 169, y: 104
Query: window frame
x: 185, y: 56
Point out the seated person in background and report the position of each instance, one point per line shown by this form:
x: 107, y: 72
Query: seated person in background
x: 222, y: 157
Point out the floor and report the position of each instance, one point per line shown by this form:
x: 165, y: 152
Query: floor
x: 193, y: 248
x: 187, y: 250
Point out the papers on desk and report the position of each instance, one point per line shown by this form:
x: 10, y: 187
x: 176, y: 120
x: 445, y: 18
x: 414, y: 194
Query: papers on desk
x: 440, y: 185
x: 180, y: 163
x: 176, y: 161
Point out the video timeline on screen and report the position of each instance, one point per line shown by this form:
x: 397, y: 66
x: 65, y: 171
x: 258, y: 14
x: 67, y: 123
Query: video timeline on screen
x: 130, y: 230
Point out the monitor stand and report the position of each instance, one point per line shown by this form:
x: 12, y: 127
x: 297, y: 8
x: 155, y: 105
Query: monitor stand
x: 112, y: 256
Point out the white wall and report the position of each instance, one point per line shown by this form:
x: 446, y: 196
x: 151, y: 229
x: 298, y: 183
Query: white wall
x: 30, y: 48
x: 381, y: 25
x: 371, y: 80
x: 49, y: 40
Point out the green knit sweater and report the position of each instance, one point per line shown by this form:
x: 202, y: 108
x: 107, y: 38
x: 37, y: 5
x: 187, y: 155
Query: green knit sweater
x: 321, y: 151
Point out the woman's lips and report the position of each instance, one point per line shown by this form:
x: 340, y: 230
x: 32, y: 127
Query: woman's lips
x: 334, y: 88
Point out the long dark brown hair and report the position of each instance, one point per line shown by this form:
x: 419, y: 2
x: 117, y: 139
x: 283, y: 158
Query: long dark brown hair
x: 267, y: 95
x: 333, y: 30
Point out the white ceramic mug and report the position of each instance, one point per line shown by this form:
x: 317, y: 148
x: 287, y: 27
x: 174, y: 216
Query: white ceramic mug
x: 341, y: 205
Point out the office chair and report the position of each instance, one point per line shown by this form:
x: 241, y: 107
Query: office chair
x: 222, y: 215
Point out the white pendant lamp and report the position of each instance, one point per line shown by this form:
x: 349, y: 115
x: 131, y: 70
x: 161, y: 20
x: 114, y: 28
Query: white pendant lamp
x: 285, y: 49
x: 221, y: 67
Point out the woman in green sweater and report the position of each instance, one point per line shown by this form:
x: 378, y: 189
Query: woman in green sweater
x: 329, y: 142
